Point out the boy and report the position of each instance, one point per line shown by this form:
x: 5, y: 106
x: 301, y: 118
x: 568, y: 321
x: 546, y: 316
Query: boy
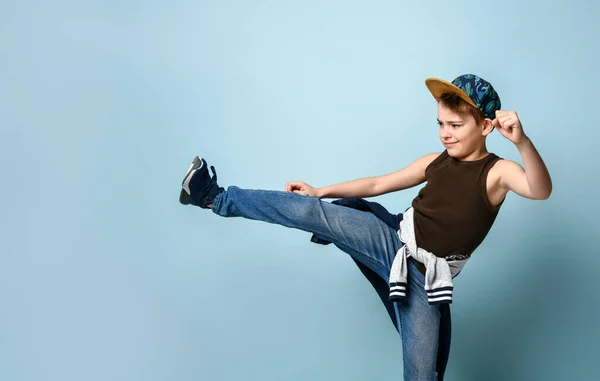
x: 410, y: 258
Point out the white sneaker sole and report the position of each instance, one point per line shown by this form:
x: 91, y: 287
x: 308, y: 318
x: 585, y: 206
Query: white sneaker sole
x: 197, y: 164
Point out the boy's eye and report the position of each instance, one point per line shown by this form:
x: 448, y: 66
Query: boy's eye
x: 453, y: 125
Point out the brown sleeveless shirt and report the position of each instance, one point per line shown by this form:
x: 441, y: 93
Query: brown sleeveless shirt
x: 452, y: 213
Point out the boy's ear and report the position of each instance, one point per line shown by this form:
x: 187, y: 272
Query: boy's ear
x: 487, y: 127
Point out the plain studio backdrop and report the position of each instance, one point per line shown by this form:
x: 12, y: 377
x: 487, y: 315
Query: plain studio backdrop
x: 103, y: 104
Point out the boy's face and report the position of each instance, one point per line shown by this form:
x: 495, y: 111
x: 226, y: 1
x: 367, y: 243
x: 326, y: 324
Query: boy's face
x: 459, y: 132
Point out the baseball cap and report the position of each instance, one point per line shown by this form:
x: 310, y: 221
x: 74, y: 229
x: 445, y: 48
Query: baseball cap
x: 475, y: 90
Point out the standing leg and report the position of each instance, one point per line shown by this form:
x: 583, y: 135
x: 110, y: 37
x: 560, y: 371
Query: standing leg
x: 444, y: 345
x: 420, y: 330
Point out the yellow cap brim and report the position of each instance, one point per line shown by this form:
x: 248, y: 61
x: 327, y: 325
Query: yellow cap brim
x: 437, y: 87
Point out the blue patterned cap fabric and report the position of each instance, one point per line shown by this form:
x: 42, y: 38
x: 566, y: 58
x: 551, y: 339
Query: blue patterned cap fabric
x: 481, y: 92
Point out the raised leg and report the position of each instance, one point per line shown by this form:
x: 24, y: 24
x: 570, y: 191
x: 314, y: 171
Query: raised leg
x: 359, y: 233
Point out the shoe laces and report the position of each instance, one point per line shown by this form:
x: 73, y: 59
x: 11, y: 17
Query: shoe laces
x: 213, y: 180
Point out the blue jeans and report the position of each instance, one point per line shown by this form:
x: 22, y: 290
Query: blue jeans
x: 367, y: 239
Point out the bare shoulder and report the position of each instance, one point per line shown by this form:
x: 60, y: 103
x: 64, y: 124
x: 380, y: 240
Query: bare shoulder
x: 511, y: 176
x: 504, y: 170
x: 407, y: 177
x: 504, y: 176
x: 429, y: 158
x: 419, y: 165
x: 432, y: 156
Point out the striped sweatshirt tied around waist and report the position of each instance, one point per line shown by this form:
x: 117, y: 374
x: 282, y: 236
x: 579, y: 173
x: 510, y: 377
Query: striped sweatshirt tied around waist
x: 439, y: 271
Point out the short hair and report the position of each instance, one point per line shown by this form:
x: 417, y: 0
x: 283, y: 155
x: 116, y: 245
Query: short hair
x: 460, y: 106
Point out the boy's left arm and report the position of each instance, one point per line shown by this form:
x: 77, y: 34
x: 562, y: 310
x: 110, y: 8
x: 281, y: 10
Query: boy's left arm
x: 532, y: 182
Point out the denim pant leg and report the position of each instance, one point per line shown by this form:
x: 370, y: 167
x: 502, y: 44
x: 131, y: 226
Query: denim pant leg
x: 358, y: 233
x: 425, y: 331
x: 363, y: 236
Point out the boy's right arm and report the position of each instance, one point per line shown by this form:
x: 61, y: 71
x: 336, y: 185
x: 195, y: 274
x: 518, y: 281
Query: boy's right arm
x: 407, y: 177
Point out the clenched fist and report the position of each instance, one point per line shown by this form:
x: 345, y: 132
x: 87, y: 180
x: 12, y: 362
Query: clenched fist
x: 302, y: 188
x: 509, y: 126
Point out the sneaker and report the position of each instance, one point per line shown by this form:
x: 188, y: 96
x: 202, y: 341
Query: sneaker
x: 198, y: 187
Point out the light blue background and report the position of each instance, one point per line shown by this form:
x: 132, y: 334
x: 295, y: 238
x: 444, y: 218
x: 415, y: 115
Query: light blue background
x: 104, y: 276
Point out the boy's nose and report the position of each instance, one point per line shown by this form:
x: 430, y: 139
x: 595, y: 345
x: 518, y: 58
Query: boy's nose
x: 445, y: 132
